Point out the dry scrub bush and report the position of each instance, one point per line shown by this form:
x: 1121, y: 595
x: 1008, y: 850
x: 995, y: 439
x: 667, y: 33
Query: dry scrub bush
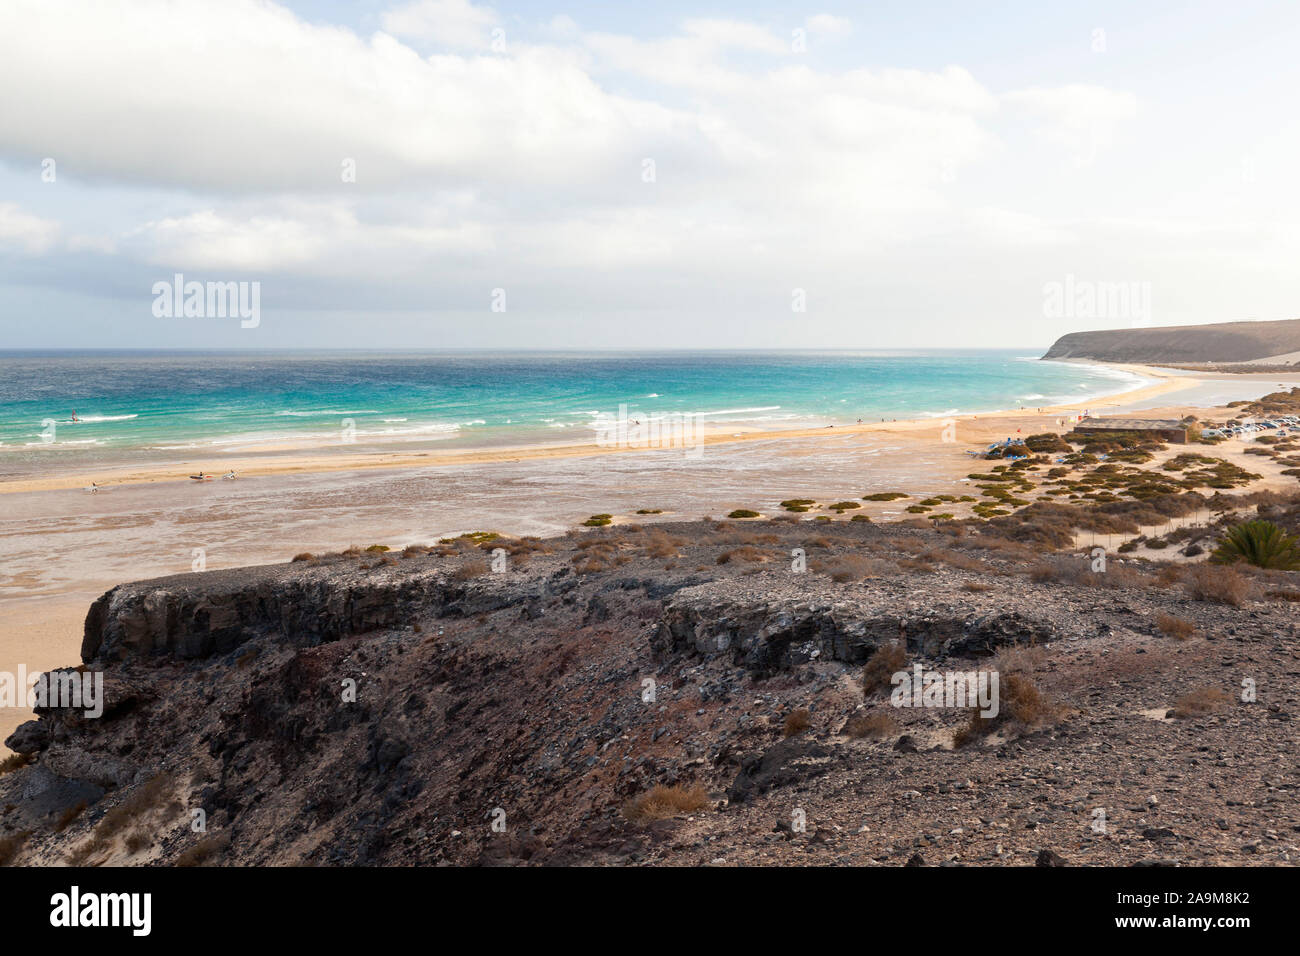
x: 910, y: 545
x: 955, y: 559
x: 204, y: 850
x: 851, y: 567
x: 470, y: 569
x: 664, y: 802
x: 1003, y: 546
x: 67, y: 816
x: 888, y: 660
x: 1175, y: 627
x: 132, y: 812
x: 14, y: 762
x: 744, y: 553
x: 1078, y: 572
x: 797, y: 721
x: 528, y: 544
x: 877, y: 725
x: 1022, y: 707
x: 659, y: 545
x: 11, y: 845
x: 1217, y: 583
x: 1203, y: 700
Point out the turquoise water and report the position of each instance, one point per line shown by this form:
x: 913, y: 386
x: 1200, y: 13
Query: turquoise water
x: 172, y: 405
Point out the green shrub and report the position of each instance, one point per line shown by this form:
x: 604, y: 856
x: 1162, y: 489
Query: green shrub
x: 1260, y: 543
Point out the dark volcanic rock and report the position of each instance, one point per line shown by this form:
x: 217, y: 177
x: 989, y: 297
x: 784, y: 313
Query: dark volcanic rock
x: 767, y: 628
x: 30, y: 737
x: 196, y: 615
x: 791, y: 760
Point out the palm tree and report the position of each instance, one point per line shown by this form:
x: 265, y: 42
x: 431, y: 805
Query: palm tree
x: 1261, y: 543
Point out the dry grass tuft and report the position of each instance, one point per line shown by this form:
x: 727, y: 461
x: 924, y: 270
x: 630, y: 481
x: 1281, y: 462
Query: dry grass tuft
x: 1203, y: 700
x: 1175, y: 627
x: 67, y: 816
x: 662, y: 802
x: 1022, y: 706
x: 888, y: 660
x: 797, y: 721
x: 10, y: 846
x: 1217, y: 583
x: 14, y: 762
x: 470, y: 569
x: 142, y: 802
x: 204, y: 850
x: 746, y: 553
x: 877, y: 725
x: 852, y: 567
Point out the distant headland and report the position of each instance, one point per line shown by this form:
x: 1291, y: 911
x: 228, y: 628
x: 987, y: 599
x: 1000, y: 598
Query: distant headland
x: 1256, y: 343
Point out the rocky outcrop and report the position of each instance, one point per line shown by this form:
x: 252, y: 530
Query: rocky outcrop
x: 1221, y: 342
x: 773, y: 626
x: 196, y: 615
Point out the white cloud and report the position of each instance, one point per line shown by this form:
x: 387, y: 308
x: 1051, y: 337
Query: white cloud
x: 446, y: 23
x: 1081, y: 118
x: 828, y: 25
x: 306, y: 238
x: 524, y: 168
x: 261, y: 101
x: 23, y: 231
x: 734, y: 34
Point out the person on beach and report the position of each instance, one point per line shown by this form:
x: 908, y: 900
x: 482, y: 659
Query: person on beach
x: 74, y: 416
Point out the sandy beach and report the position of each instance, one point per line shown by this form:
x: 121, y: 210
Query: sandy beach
x: 61, y: 547
x: 281, y: 460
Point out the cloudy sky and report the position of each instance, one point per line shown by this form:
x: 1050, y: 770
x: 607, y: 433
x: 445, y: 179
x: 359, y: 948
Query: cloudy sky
x: 667, y: 175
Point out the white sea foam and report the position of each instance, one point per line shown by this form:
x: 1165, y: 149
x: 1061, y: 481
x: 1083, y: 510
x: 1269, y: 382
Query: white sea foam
x: 316, y: 413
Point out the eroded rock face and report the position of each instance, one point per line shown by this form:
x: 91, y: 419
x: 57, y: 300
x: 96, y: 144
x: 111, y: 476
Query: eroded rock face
x: 197, y: 615
x: 766, y: 635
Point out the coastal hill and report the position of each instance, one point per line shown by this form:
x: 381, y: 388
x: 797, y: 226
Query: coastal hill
x: 1276, y: 343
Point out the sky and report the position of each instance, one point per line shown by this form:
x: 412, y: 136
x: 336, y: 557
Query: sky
x: 446, y: 174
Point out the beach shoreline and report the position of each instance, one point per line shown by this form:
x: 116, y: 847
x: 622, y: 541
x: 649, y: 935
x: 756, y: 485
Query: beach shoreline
x: 149, y: 523
x: 280, y: 460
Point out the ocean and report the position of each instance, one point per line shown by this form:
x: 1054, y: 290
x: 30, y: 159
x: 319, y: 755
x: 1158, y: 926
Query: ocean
x: 135, y: 405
